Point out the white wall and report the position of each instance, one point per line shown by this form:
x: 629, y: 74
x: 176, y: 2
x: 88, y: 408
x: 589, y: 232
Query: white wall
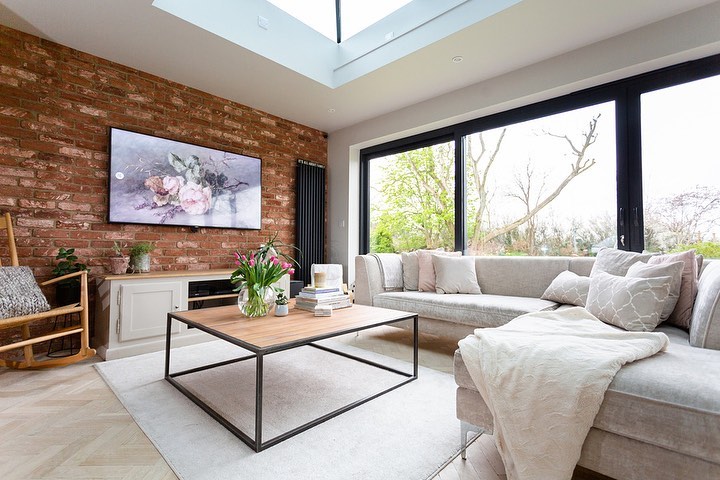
x: 685, y: 37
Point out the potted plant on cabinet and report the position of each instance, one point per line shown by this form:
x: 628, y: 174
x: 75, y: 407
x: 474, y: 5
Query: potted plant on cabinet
x: 140, y: 257
x: 118, y: 262
x: 67, y: 291
x: 281, y: 305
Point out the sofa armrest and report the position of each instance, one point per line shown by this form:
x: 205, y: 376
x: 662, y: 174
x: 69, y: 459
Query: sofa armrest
x: 705, y: 323
x: 368, y: 280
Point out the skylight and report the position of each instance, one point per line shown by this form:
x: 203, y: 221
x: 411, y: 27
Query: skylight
x: 301, y: 34
x: 355, y: 15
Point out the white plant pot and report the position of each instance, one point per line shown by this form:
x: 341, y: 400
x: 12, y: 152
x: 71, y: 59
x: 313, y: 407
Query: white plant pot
x: 281, y: 310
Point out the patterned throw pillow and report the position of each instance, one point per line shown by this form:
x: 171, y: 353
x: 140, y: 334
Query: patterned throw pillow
x: 20, y: 293
x: 634, y: 304
x: 671, y: 269
x: 568, y: 288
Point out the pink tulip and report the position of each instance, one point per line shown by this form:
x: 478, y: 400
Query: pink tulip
x: 291, y: 271
x: 252, y: 262
x: 244, y: 258
x: 237, y: 256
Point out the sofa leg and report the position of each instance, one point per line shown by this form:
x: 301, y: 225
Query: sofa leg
x: 465, y: 429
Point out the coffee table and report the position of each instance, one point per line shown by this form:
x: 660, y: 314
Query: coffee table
x: 267, y: 335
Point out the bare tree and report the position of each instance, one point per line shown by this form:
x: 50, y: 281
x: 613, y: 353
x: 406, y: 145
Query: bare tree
x: 685, y: 217
x: 580, y: 165
x: 481, y: 164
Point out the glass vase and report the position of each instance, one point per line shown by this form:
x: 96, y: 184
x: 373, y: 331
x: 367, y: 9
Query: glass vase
x: 254, y: 303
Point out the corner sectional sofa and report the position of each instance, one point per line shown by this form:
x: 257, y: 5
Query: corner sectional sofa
x: 660, y: 417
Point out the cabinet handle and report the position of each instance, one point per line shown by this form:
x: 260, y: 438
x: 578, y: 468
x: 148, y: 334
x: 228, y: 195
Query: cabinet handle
x: 177, y: 307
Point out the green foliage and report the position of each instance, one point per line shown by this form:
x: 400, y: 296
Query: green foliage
x: 418, y: 201
x: 381, y: 241
x: 706, y: 249
x: 68, y: 263
x: 141, y: 248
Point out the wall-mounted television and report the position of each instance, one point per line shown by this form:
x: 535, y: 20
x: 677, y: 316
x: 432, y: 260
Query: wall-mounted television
x: 165, y: 182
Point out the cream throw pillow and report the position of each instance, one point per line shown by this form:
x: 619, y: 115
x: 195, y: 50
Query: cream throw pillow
x: 410, y: 270
x: 672, y: 269
x: 426, y: 270
x: 682, y: 314
x: 616, y: 262
x: 455, y: 274
x: 568, y: 288
x: 634, y: 304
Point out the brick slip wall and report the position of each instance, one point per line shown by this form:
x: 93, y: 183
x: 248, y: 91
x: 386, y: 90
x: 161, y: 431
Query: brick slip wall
x: 56, y: 107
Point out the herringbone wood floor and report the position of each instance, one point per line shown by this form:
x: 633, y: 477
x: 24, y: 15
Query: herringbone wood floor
x: 66, y: 423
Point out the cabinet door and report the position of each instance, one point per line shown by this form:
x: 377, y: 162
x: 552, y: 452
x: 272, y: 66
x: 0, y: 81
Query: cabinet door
x: 144, y: 308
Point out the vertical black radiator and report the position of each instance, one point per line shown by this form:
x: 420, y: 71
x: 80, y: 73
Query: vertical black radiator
x: 309, y: 217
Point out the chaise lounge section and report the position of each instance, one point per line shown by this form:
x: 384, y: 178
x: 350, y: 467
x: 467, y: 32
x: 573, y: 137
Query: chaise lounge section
x: 660, y: 417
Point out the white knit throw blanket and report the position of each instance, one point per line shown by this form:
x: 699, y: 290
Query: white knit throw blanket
x: 543, y: 376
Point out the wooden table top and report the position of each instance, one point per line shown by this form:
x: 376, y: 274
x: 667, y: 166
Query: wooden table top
x: 274, y: 333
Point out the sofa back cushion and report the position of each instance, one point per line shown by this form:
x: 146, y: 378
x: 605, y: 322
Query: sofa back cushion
x: 518, y: 276
x: 705, y: 324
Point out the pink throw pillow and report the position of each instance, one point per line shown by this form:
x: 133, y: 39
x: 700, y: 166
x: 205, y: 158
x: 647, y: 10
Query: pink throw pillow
x: 426, y: 269
x: 682, y: 314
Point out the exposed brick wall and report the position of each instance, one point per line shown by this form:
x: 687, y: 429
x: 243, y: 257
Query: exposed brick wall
x: 56, y: 107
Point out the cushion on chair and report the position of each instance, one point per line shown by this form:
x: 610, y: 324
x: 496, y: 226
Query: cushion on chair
x: 19, y: 293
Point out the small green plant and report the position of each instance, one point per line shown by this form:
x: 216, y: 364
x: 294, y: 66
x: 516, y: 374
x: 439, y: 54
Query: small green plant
x: 117, y: 249
x: 281, y: 299
x: 68, y: 263
x: 141, y: 248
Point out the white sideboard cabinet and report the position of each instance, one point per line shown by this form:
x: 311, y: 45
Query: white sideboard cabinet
x: 131, y: 310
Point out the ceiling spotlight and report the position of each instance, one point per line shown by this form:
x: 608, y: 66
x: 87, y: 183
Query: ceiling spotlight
x: 331, y: 110
x: 457, y: 59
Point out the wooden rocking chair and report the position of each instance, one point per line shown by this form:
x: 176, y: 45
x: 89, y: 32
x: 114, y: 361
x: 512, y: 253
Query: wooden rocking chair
x: 23, y: 322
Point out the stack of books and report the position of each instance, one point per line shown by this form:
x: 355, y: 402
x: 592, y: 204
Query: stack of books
x: 310, y: 297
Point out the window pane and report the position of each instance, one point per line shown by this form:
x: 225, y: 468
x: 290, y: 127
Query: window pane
x: 357, y: 15
x: 412, y: 200
x: 681, y: 179
x: 543, y: 187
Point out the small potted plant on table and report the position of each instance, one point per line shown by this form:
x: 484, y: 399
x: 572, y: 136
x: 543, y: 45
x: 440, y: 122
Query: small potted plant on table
x: 140, y: 257
x: 281, y: 305
x: 119, y: 262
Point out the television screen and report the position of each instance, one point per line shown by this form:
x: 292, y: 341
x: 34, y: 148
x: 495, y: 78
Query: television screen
x: 165, y: 182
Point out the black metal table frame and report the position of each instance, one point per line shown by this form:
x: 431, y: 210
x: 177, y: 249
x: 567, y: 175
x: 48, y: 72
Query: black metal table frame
x: 258, y: 353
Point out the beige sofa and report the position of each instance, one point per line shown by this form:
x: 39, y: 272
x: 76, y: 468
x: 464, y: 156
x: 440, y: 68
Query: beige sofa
x: 660, y: 418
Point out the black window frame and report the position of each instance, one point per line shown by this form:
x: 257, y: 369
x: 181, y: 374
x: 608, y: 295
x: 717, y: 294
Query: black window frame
x: 625, y: 93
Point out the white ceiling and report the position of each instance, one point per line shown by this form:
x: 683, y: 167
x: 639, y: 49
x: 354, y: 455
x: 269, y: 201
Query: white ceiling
x: 136, y: 34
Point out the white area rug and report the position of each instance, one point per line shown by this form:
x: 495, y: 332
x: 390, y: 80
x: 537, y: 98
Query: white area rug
x: 409, y: 433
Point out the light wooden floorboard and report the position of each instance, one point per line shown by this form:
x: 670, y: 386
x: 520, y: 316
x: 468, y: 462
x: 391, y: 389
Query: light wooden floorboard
x: 66, y: 423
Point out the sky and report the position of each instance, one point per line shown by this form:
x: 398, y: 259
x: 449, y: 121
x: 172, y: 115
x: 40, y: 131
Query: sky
x: 356, y: 15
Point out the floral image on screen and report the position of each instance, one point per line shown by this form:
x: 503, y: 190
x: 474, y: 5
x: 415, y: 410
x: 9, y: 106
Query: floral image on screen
x: 158, y: 181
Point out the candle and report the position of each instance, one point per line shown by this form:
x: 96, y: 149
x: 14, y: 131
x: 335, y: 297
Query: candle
x: 319, y: 278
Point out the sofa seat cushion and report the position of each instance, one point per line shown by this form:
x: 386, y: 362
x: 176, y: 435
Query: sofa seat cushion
x: 670, y: 400
x: 475, y: 310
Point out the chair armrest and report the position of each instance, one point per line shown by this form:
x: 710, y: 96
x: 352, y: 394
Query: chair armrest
x: 368, y: 280
x: 64, y: 277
